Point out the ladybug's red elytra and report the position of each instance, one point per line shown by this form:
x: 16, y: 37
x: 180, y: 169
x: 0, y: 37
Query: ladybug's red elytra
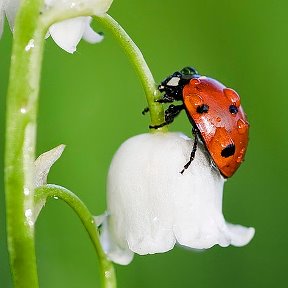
x: 215, y: 113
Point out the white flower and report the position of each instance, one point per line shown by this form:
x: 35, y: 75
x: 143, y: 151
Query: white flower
x: 68, y: 33
x: 151, y: 206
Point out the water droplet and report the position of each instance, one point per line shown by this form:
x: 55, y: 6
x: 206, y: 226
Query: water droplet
x: 30, y: 45
x: 155, y: 219
x: 23, y: 110
x: 55, y: 197
x: 30, y: 223
x: 218, y: 119
x: 107, y: 274
x: 242, y: 126
x: 26, y: 191
x: 232, y: 96
x: 28, y: 213
x: 195, y: 81
x: 240, y: 158
x: 197, y: 100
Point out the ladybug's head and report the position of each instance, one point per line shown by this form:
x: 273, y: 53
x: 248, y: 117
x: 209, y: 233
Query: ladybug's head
x: 188, y: 73
x: 173, y: 84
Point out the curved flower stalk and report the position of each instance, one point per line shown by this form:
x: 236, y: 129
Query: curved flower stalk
x: 68, y: 33
x: 45, y: 191
x: 151, y: 206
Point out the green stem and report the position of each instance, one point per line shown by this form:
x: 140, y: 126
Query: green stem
x: 141, y: 67
x: 130, y: 48
x: 52, y: 191
x: 20, y: 142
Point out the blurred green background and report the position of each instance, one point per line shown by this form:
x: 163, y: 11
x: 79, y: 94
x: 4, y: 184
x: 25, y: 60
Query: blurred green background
x: 92, y: 102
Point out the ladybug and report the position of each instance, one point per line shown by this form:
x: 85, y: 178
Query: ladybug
x: 216, y: 115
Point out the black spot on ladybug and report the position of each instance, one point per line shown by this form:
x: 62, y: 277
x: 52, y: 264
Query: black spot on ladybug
x: 233, y: 109
x: 202, y: 109
x: 228, y: 151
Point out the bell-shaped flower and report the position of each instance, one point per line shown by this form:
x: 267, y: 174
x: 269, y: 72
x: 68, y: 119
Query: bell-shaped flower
x: 152, y: 206
x: 68, y: 33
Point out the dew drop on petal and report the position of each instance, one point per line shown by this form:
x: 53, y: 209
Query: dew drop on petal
x: 155, y: 219
x: 218, y: 119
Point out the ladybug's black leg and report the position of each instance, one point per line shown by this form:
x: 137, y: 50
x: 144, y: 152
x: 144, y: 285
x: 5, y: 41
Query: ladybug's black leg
x: 170, y: 114
x: 166, y: 99
x: 192, y: 155
x: 146, y: 109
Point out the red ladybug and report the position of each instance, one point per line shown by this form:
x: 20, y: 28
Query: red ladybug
x: 215, y: 114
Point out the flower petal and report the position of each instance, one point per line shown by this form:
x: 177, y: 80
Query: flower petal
x: 90, y: 35
x: 99, y: 6
x: 121, y: 255
x: 240, y: 235
x: 152, y: 206
x: 68, y: 33
x: 43, y: 164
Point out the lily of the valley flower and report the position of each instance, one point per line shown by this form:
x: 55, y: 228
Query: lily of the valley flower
x: 152, y: 206
x: 68, y: 33
x: 42, y: 167
x: 74, y: 30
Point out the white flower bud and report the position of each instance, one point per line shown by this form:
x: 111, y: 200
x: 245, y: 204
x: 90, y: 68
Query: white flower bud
x: 152, y: 206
